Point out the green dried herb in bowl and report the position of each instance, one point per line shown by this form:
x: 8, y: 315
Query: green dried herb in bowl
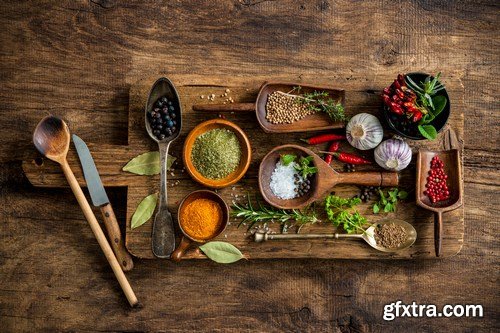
x: 216, y: 153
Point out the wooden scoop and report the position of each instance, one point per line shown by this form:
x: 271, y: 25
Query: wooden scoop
x: 315, y: 122
x: 453, y: 168
x: 321, y: 183
x: 51, y: 138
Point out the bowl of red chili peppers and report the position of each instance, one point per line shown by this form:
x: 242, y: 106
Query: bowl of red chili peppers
x: 416, y: 106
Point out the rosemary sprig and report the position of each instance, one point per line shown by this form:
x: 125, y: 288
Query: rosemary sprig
x: 261, y: 214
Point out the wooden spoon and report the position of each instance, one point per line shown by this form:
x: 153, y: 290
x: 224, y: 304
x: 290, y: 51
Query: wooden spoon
x: 453, y: 168
x: 51, y: 138
x: 315, y: 122
x: 321, y: 183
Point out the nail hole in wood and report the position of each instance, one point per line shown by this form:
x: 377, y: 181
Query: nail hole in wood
x: 106, y: 214
x: 39, y: 161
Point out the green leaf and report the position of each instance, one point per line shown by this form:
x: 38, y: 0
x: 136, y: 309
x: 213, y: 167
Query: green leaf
x: 383, y: 200
x: 427, y: 131
x: 376, y: 209
x: 393, y: 195
x: 144, y: 210
x: 402, y: 195
x: 286, y: 159
x: 147, y: 164
x: 221, y: 252
x: 439, y: 104
x: 388, y: 208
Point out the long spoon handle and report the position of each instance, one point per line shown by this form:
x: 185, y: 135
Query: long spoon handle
x: 246, y: 107
x: 163, y: 235
x: 438, y: 232
x: 264, y: 236
x: 101, y: 238
x: 368, y: 178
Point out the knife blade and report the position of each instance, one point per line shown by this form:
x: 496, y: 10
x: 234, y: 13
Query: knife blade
x: 100, y: 199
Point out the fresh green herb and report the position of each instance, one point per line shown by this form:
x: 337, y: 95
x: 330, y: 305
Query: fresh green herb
x: 147, y: 164
x: 320, y: 101
x: 305, y: 168
x: 144, y: 211
x: 216, y: 153
x: 427, y: 101
x: 221, y: 252
x: 388, y: 202
x: 261, y: 214
x: 341, y: 212
x: 286, y: 159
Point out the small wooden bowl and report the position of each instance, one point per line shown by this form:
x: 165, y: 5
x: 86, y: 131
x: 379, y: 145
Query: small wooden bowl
x: 187, y: 239
x: 233, y: 177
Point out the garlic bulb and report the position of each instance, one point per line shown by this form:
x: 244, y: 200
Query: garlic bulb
x: 364, y: 131
x: 393, y: 154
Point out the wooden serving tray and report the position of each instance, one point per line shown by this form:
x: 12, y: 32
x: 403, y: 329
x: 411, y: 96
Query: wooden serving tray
x: 111, y: 158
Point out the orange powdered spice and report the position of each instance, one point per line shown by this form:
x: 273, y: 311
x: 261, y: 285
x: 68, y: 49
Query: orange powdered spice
x: 201, y: 219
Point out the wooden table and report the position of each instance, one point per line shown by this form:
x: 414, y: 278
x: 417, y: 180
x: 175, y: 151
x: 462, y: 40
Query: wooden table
x: 78, y: 60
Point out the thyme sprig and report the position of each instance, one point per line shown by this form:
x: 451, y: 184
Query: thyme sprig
x: 261, y: 214
x: 319, y: 101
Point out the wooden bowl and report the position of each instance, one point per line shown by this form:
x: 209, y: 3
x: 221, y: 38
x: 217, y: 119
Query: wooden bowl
x: 187, y: 239
x: 246, y: 153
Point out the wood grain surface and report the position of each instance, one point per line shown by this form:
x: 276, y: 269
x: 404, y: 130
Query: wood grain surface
x: 80, y: 59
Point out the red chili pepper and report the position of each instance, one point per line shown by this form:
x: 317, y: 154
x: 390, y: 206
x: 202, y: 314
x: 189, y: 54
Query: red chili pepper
x: 401, y: 80
x: 387, y: 91
x: 350, y: 158
x: 396, y: 108
x: 333, y: 147
x: 417, y: 116
x: 397, y: 85
x: 387, y: 99
x: 322, y: 138
x: 400, y: 93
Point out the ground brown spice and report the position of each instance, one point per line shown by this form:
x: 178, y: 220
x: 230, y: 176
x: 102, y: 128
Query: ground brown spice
x: 390, y: 236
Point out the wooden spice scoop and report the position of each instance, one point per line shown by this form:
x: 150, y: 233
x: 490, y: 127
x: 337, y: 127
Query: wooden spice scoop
x: 453, y: 168
x: 187, y: 239
x: 51, y: 138
x: 321, y: 183
x: 315, y: 122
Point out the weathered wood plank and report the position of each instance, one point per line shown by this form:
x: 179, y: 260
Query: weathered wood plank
x: 78, y: 59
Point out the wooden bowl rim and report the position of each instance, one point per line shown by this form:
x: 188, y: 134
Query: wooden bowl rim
x: 264, y: 124
x: 314, y: 191
x: 205, y: 194
x: 232, y: 177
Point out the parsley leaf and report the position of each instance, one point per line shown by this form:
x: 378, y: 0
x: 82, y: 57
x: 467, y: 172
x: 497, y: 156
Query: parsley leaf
x: 341, y: 212
x: 286, y: 159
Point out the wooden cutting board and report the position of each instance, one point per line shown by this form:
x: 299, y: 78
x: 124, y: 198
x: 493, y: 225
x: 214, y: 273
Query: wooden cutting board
x: 111, y: 158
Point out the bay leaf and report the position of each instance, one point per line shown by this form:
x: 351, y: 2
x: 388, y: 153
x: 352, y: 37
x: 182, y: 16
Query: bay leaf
x: 221, y: 252
x: 144, y: 210
x: 147, y: 164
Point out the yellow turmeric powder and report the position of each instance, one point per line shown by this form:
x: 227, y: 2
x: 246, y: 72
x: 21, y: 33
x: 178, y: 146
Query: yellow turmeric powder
x: 201, y: 219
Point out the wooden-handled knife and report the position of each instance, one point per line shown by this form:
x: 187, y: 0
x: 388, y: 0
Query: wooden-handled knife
x: 100, y: 199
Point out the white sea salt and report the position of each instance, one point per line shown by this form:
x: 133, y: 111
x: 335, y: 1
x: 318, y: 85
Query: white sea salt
x: 283, y: 182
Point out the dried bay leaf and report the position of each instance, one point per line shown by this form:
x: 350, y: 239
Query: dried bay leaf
x: 144, y: 210
x: 147, y: 164
x: 221, y: 252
